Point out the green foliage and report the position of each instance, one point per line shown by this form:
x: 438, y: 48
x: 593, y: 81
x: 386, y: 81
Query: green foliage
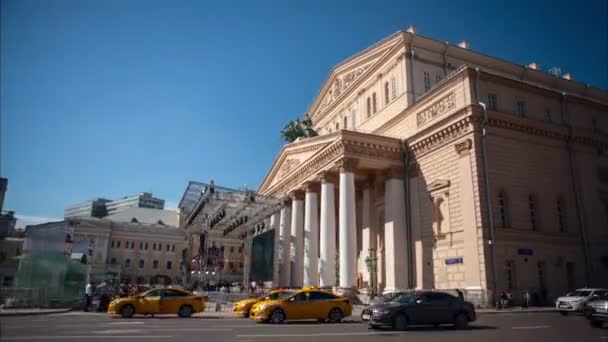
x: 298, y: 129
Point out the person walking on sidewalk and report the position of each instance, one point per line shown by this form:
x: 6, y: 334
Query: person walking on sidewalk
x: 526, y: 300
x: 88, y: 292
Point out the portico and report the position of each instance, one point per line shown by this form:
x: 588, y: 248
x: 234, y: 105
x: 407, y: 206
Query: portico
x: 324, y: 178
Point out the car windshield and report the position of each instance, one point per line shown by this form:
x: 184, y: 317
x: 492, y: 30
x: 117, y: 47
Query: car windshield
x: 275, y: 295
x: 579, y: 294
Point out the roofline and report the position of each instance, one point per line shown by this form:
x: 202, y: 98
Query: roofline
x: 447, y: 45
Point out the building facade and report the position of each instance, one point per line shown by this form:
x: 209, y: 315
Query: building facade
x: 142, y: 200
x: 87, y: 209
x: 445, y: 168
x: 130, y: 252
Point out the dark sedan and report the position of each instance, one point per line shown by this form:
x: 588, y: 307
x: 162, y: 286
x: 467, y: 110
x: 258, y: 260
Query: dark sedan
x: 422, y: 308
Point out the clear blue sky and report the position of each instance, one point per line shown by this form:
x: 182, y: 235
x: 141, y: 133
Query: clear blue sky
x: 110, y: 98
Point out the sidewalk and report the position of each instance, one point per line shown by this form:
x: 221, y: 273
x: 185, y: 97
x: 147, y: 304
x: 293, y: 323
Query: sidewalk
x: 31, y: 312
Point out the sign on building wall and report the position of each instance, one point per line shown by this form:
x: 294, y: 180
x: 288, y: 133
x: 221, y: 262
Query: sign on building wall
x: 525, y: 251
x: 452, y: 261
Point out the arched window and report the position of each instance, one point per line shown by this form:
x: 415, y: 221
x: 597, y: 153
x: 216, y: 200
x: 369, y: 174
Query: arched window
x: 369, y: 107
x: 386, y: 94
x: 374, y: 107
x: 345, y: 122
x: 503, y: 210
x: 561, y: 216
x: 532, y: 205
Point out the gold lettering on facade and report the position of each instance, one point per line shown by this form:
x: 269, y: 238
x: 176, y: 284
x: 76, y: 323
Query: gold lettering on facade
x: 436, y: 109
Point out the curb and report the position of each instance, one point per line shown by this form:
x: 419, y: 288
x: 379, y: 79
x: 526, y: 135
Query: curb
x: 515, y: 312
x: 33, y: 313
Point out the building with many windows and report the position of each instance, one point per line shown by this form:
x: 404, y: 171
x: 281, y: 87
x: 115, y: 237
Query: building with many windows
x: 142, y: 200
x: 93, y: 208
x: 441, y: 167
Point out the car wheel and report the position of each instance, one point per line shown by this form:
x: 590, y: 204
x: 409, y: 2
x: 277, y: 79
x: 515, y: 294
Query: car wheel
x: 248, y: 313
x: 373, y: 326
x: 277, y: 316
x: 127, y: 311
x: 588, y: 313
x: 461, y: 321
x: 185, y: 311
x: 564, y: 313
x: 595, y: 323
x: 335, y: 316
x: 400, y: 322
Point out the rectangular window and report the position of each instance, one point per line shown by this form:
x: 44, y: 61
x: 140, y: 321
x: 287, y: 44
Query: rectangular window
x: 141, y: 245
x: 118, y: 244
x: 169, y: 265
x: 427, y: 81
x: 141, y: 263
x: 521, y: 109
x: 492, y: 102
x: 173, y: 248
x: 437, y: 78
x: 112, y: 243
x: 168, y: 247
x: 393, y: 88
x: 374, y: 107
x: 369, y: 107
x: 155, y: 264
x: 128, y: 263
x: 146, y: 246
x: 548, y: 115
x: 386, y: 94
x: 232, y: 249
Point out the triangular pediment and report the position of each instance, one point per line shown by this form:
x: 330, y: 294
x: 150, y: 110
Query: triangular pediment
x: 291, y: 156
x: 346, y: 75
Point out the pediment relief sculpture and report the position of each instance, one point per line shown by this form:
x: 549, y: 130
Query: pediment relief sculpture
x: 340, y: 84
x: 288, y: 166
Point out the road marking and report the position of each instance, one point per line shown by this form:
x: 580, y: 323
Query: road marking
x: 321, y: 334
x: 127, y: 323
x: 118, y: 331
x: 533, y: 327
x: 79, y: 337
x: 188, y: 329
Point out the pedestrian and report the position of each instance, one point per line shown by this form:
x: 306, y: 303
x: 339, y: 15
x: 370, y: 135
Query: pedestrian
x: 88, y: 292
x: 526, y: 300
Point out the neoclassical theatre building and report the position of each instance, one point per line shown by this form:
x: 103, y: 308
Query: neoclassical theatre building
x: 446, y: 168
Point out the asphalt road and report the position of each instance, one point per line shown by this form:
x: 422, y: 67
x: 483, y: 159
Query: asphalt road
x: 77, y: 326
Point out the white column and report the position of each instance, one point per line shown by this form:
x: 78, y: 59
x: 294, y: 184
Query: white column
x: 297, y: 233
x: 274, y: 225
x: 311, y: 238
x: 328, y: 235
x: 395, y: 239
x: 285, y: 240
x: 368, y: 239
x: 347, y: 226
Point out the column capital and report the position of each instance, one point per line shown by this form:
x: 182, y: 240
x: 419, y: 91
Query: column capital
x: 463, y: 147
x: 311, y: 187
x: 394, y: 172
x: 347, y: 165
x: 328, y: 177
x: 297, y: 195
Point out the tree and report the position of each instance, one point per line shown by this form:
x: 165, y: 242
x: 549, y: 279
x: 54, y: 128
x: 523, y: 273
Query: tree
x: 298, y: 129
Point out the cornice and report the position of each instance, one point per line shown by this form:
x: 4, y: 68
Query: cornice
x: 348, y: 145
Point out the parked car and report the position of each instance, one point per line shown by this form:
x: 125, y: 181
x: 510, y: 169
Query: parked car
x: 158, y: 301
x: 590, y: 306
x: 575, y: 301
x: 306, y: 303
x: 599, y: 315
x: 422, y: 308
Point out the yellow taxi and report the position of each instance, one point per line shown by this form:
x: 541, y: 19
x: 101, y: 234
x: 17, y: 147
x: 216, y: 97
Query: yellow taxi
x: 158, y: 301
x: 307, y: 303
x: 242, y: 307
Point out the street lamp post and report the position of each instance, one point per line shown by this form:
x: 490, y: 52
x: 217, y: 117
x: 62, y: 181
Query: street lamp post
x: 371, y: 261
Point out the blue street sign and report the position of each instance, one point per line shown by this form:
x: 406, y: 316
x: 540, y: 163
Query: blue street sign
x: 525, y: 251
x: 452, y: 261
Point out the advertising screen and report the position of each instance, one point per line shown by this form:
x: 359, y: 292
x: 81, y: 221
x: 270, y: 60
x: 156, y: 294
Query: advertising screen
x: 262, y: 254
